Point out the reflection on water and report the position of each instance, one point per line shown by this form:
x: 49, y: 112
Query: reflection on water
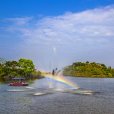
x: 59, y: 102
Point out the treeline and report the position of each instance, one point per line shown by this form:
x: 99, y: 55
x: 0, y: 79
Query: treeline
x: 89, y: 69
x: 21, y: 68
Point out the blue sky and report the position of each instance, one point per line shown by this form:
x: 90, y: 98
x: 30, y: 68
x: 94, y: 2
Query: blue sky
x: 20, y: 8
x: 55, y: 33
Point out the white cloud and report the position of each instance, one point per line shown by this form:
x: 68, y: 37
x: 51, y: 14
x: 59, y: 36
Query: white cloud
x: 19, y: 21
x: 86, y: 35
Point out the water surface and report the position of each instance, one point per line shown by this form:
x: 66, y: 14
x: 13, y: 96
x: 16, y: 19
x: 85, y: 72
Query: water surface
x: 59, y: 103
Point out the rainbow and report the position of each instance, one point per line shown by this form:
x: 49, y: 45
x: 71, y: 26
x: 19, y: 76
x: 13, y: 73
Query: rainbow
x: 62, y: 79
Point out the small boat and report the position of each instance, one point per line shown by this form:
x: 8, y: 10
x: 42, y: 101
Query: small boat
x: 18, y: 82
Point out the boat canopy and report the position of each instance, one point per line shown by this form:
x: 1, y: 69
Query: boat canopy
x: 18, y: 78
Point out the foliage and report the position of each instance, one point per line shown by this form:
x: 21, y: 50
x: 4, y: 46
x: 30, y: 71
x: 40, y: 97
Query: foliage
x: 89, y: 69
x: 22, y: 68
x: 26, y: 67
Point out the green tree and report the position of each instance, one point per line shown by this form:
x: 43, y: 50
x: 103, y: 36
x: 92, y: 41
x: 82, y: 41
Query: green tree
x: 26, y: 67
x: 10, y: 69
x: 89, y: 69
x: 22, y: 68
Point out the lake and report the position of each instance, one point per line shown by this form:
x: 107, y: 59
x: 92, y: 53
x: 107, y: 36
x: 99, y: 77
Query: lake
x: 25, y: 102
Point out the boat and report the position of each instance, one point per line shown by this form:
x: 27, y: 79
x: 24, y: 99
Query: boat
x: 18, y: 82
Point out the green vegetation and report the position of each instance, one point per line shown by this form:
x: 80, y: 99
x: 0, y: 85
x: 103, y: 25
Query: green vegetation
x: 89, y: 69
x: 22, y: 68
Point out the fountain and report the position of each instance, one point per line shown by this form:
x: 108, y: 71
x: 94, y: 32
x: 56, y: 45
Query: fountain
x: 58, y: 83
x: 61, y: 84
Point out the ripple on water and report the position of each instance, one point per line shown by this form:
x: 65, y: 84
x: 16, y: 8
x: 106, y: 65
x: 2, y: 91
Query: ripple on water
x: 60, y: 102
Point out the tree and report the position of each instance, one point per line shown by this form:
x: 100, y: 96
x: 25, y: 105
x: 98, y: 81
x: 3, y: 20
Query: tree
x: 2, y: 61
x: 10, y: 69
x: 89, y: 69
x: 26, y: 67
x: 1, y: 71
x: 22, y: 68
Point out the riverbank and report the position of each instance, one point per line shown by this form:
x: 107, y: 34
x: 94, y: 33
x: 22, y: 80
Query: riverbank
x: 89, y: 76
x: 26, y: 80
x: 89, y: 69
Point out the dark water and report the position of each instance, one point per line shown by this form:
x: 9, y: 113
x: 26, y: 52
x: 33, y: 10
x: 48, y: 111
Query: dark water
x: 59, y: 103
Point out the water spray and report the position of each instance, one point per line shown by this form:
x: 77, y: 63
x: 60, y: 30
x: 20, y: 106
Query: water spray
x: 62, y: 79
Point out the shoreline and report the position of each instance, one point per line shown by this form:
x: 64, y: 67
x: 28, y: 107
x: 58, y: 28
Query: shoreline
x: 86, y: 77
x: 32, y: 80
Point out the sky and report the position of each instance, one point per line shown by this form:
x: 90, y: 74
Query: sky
x: 56, y: 33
